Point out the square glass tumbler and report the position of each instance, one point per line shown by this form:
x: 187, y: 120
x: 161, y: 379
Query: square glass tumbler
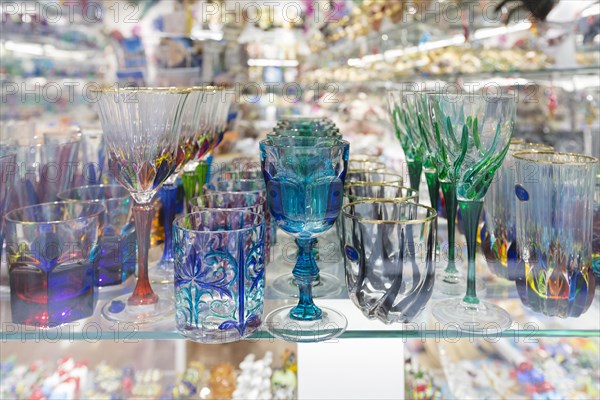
x: 52, y: 249
x: 117, y: 258
x: 219, y: 274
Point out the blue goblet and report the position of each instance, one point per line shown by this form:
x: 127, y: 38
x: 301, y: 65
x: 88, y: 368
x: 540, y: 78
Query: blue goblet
x: 305, y: 188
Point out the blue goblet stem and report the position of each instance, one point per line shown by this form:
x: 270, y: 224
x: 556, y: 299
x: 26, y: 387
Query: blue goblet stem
x: 305, y: 272
x: 168, y: 197
x: 449, y: 190
x: 471, y: 211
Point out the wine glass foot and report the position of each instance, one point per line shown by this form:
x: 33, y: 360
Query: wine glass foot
x: 118, y: 310
x: 162, y: 272
x: 327, y: 286
x: 455, y: 286
x: 109, y: 292
x: 484, y: 317
x: 331, y: 325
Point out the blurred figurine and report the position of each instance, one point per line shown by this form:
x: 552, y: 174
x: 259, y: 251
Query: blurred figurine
x: 222, y: 381
x: 284, y: 380
x: 254, y: 380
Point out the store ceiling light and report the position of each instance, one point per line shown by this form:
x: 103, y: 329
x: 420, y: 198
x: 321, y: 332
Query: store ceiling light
x: 503, y: 30
x: 25, y: 48
x: 268, y: 62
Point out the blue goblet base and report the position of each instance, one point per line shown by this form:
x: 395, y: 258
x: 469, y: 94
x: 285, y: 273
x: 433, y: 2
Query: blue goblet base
x: 280, y: 324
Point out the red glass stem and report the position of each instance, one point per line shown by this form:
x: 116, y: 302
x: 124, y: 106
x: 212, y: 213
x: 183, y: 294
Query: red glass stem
x: 143, y: 294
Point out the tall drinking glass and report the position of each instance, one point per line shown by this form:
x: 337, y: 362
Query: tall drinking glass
x: 554, y: 214
x: 499, y: 244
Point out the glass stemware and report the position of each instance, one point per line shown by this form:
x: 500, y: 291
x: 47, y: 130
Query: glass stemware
x: 473, y: 134
x: 305, y: 185
x: 203, y: 113
x: 325, y: 284
x: 443, y: 153
x: 141, y: 130
x: 403, y: 109
x: 215, y: 117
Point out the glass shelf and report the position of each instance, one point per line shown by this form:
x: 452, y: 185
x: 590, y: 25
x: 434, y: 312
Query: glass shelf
x: 527, y: 324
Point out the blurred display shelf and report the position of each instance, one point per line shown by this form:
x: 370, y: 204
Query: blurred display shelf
x: 397, y: 81
x: 527, y: 324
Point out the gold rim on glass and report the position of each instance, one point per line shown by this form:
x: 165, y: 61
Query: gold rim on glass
x: 208, y: 88
x: 389, y: 222
x: 117, y: 90
x: 397, y: 178
x: 11, y: 215
x: 414, y: 195
x: 363, y: 158
x: 530, y: 156
x: 369, y: 166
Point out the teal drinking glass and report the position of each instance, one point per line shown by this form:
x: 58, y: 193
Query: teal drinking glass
x: 305, y: 131
x: 305, y: 187
x: 554, y: 213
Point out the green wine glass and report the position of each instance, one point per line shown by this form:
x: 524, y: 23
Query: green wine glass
x: 473, y: 132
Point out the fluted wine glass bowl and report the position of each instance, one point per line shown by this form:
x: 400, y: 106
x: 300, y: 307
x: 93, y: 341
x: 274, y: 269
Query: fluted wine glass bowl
x: 403, y: 111
x: 141, y: 130
x: 554, y: 215
x: 389, y: 247
x: 472, y: 132
x: 202, y: 117
x: 305, y: 185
